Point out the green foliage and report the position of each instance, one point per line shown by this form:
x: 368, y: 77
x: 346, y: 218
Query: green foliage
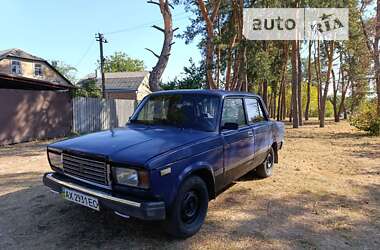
x: 193, y: 77
x: 88, y: 89
x: 121, y: 62
x: 366, y: 118
x: 66, y: 70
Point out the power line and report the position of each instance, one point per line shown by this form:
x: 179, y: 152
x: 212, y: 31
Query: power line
x: 89, y: 47
x: 144, y: 25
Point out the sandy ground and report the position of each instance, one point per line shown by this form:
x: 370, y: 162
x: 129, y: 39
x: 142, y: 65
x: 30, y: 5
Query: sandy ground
x: 325, y: 194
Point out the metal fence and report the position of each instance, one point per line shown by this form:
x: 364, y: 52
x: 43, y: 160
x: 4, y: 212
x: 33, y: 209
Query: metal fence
x: 94, y: 114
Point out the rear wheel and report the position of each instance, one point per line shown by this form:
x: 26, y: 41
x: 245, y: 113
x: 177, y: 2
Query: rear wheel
x: 189, y: 209
x: 265, y: 170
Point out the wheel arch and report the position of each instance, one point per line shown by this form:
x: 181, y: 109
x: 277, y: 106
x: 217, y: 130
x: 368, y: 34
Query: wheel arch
x: 203, y: 171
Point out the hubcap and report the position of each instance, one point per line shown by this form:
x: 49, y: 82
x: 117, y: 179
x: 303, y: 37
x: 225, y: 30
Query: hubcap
x: 190, y: 207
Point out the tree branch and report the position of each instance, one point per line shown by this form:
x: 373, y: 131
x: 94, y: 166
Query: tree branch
x: 215, y: 11
x: 159, y: 28
x: 153, y: 2
x: 153, y: 52
x: 368, y: 42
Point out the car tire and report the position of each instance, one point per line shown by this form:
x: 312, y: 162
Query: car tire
x: 189, y: 209
x: 266, y: 168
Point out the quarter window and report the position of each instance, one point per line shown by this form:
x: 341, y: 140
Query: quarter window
x: 38, y: 69
x: 16, y: 67
x: 233, y: 112
x: 254, y: 111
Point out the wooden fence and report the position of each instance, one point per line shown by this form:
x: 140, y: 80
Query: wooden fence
x: 94, y: 114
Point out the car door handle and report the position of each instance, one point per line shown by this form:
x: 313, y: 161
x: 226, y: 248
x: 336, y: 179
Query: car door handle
x: 250, y: 133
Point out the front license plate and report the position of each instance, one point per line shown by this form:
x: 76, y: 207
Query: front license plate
x: 80, y: 198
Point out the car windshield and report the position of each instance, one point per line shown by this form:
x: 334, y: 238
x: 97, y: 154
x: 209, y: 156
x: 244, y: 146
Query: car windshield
x: 180, y: 110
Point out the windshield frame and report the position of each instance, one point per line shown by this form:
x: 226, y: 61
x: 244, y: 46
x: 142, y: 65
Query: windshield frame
x: 146, y: 98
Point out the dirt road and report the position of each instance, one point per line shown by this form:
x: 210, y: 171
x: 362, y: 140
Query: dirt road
x: 325, y: 194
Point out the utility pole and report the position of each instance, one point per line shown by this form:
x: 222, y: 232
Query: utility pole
x: 100, y: 38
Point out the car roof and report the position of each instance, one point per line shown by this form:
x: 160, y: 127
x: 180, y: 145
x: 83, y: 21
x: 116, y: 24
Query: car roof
x: 216, y: 92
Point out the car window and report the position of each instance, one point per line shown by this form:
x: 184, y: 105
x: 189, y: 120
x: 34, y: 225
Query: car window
x: 254, y: 111
x: 233, y: 111
x: 180, y: 110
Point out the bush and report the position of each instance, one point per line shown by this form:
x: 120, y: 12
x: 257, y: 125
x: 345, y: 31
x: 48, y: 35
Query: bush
x: 366, y: 119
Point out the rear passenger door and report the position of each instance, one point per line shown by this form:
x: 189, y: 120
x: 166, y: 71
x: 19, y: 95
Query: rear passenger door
x: 258, y: 121
x: 238, y: 144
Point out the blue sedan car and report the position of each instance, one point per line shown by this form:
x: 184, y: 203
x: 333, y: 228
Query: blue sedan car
x: 179, y: 150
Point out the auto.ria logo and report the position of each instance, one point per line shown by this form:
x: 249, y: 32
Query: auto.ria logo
x: 296, y: 24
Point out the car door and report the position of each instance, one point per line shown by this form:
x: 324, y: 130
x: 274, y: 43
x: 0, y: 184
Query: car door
x: 258, y: 121
x: 238, y: 144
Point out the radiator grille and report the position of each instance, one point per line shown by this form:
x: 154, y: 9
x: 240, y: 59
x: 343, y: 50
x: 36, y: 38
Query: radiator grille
x: 86, y: 169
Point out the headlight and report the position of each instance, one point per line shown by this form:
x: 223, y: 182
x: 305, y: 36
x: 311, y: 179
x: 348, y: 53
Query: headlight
x: 55, y: 159
x: 131, y: 177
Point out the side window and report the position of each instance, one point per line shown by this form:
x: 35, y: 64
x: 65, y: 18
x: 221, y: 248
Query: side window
x: 38, y: 69
x: 254, y: 111
x: 16, y: 67
x: 233, y: 111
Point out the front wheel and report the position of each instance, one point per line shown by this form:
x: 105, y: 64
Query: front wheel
x: 265, y: 170
x: 189, y: 209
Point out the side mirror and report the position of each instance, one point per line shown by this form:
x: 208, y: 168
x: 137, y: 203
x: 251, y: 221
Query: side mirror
x: 230, y: 126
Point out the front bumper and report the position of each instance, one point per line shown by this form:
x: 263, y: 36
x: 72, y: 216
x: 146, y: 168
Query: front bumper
x: 146, y: 210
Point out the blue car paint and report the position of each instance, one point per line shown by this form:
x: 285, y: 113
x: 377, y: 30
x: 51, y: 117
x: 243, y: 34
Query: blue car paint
x: 226, y: 155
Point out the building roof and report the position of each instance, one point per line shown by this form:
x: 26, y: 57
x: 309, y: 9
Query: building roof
x: 124, y: 80
x: 18, y: 53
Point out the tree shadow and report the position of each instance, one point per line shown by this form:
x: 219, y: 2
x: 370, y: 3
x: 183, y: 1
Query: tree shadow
x: 36, y: 218
x: 305, y: 220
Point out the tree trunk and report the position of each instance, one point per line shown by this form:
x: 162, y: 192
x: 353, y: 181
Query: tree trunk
x: 282, y: 97
x: 317, y: 64
x: 243, y: 78
x: 273, y: 101
x: 376, y: 55
x: 294, y: 59
x: 283, y: 101
x: 209, y: 20
x: 229, y: 84
x: 163, y: 58
x: 299, y: 80
x: 329, y: 46
x: 209, y: 63
x: 335, y: 97
x: 308, y: 83
x: 265, y: 92
x: 373, y: 50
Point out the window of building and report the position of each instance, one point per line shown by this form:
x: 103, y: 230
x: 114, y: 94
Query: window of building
x: 38, y: 69
x: 16, y: 67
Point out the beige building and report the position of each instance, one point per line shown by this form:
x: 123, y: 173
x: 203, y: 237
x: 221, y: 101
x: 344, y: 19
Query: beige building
x: 19, y: 64
x: 126, y: 85
x: 35, y: 100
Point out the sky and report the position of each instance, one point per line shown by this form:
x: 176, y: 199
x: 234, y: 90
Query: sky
x: 65, y: 30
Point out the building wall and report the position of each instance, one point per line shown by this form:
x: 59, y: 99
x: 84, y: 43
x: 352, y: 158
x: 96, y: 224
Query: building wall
x: 27, y: 69
x: 143, y: 89
x: 118, y: 95
x: 29, y: 114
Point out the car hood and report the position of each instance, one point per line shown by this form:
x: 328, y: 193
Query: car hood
x: 131, y: 145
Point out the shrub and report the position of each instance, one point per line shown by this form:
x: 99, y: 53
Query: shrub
x: 366, y: 119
